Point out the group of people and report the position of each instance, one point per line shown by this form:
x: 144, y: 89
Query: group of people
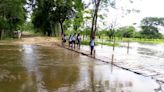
x: 76, y: 39
x: 72, y: 40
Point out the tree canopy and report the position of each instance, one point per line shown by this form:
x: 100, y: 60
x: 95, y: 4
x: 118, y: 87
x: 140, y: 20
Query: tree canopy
x: 149, y: 26
x: 49, y: 12
x: 12, y: 15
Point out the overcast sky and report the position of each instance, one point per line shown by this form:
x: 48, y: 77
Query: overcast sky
x: 148, y: 8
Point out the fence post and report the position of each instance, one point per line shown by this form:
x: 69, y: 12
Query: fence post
x: 94, y: 53
x: 128, y: 47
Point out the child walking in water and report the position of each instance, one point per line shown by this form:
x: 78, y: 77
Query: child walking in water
x: 73, y: 40
x: 63, y: 40
x: 78, y: 40
x: 92, y: 45
x: 70, y: 41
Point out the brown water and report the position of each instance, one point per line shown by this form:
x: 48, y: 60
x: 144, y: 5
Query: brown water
x: 31, y: 68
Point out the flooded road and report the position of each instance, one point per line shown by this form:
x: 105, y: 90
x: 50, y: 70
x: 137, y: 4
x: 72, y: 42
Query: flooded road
x: 33, y: 68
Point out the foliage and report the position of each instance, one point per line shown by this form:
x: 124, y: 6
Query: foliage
x: 86, y: 31
x: 49, y: 12
x: 41, y: 16
x: 78, y: 20
x: 149, y: 26
x: 12, y: 15
x: 150, y: 32
x: 96, y: 5
x: 152, y: 21
x: 127, y: 32
x: 28, y: 26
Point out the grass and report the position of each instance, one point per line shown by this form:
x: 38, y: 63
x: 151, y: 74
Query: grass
x: 141, y: 40
x: 86, y: 42
x: 154, y: 41
x: 109, y: 42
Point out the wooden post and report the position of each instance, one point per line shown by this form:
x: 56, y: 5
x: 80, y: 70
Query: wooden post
x: 94, y: 53
x: 102, y: 41
x: 113, y: 43
x: 0, y: 34
x: 112, y: 58
x: 128, y: 47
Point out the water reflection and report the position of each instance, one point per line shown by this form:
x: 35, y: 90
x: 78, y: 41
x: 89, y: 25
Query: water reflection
x: 30, y: 62
x: 146, y: 51
x: 53, y: 72
x: 44, y: 69
x: 12, y: 75
x: 143, y: 58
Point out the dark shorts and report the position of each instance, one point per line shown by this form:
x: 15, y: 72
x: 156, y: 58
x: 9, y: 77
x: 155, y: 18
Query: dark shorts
x: 64, y: 41
x: 92, y: 47
x: 70, y: 42
x: 73, y: 42
x: 78, y: 41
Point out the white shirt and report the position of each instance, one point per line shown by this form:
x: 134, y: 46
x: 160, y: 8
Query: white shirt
x: 79, y: 38
x: 70, y: 39
x: 74, y: 38
x: 92, y: 43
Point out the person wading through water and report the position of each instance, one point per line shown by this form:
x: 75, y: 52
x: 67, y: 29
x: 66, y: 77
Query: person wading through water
x: 92, y: 43
x: 70, y: 41
x: 63, y: 40
x: 74, y: 40
x: 78, y: 40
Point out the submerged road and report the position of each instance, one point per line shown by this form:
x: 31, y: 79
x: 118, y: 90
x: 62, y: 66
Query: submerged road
x: 33, y: 68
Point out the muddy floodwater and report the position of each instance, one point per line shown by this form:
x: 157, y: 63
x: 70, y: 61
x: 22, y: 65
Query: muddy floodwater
x: 144, y: 58
x: 33, y: 68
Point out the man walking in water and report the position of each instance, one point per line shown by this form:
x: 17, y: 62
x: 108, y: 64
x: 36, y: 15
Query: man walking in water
x: 92, y: 45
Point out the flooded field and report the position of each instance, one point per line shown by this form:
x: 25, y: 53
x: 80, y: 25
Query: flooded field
x: 147, y: 59
x: 33, y: 68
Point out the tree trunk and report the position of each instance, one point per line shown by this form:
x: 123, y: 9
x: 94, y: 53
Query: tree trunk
x: 0, y: 34
x: 49, y: 33
x: 94, y: 20
x: 92, y: 29
x: 62, y: 30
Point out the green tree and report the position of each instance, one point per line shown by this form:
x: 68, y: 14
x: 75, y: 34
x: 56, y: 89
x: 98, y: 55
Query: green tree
x: 12, y: 14
x: 78, y: 20
x: 49, y: 12
x: 149, y: 26
x: 150, y: 32
x: 127, y: 31
x: 96, y: 4
x: 152, y: 21
x: 41, y: 16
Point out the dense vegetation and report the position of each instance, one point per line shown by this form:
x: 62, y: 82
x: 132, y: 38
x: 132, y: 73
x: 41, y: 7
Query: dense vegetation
x: 51, y: 13
x: 12, y: 16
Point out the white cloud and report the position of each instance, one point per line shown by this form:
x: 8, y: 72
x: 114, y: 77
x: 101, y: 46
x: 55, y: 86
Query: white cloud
x: 148, y: 8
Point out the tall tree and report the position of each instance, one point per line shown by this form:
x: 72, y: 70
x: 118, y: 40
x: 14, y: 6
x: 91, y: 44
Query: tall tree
x: 96, y: 5
x: 78, y: 20
x: 63, y: 11
x: 127, y: 31
x: 94, y: 18
x: 13, y: 13
x: 149, y: 26
x: 152, y: 21
x: 48, y: 12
